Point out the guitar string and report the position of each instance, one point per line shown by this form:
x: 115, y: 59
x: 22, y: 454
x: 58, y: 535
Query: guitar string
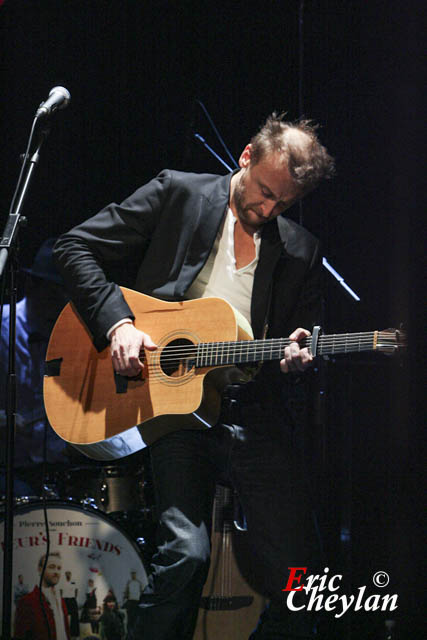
x: 224, y: 564
x: 253, y: 355
x: 244, y: 343
x: 337, y: 339
x: 343, y: 337
x: 228, y: 552
x: 224, y: 349
x: 357, y: 342
x: 206, y: 350
x: 227, y: 587
x: 223, y: 544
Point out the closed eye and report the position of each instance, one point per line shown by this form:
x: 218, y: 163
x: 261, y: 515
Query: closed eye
x: 267, y: 194
x: 280, y: 205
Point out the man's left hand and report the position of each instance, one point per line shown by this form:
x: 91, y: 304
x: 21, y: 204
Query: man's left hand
x: 296, y: 359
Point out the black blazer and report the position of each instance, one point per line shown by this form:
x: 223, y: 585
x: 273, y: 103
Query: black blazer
x: 159, y: 238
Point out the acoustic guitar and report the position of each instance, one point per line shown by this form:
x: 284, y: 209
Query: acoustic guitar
x: 230, y: 605
x: 90, y: 406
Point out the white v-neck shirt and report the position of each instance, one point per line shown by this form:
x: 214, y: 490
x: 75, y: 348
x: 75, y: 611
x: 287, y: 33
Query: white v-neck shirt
x: 220, y: 278
x: 55, y: 603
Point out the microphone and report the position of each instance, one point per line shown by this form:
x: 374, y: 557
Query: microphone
x: 58, y: 98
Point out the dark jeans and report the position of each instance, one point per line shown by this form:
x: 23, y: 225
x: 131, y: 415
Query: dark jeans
x: 73, y: 612
x: 270, y: 483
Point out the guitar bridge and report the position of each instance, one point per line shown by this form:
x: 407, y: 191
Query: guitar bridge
x: 121, y: 382
x: 53, y: 367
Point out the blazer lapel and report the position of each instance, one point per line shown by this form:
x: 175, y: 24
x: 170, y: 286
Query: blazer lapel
x: 212, y: 205
x: 270, y: 251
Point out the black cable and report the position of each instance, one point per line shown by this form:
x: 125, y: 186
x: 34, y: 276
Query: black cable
x: 46, y: 522
x: 24, y: 164
x: 300, y: 57
x: 300, y: 80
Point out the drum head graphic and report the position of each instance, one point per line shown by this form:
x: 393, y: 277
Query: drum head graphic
x: 95, y: 555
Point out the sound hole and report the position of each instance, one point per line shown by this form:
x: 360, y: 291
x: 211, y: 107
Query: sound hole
x: 177, y: 358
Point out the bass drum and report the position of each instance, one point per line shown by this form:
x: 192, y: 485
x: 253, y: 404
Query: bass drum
x: 93, y: 549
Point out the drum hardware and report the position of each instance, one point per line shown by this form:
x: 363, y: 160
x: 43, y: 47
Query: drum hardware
x: 110, y: 488
x: 104, y: 494
x: 89, y: 502
x: 141, y: 542
x: 19, y: 500
x: 50, y: 491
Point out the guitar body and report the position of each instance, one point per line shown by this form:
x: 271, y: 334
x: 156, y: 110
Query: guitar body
x: 199, y: 342
x: 87, y: 403
x: 230, y: 607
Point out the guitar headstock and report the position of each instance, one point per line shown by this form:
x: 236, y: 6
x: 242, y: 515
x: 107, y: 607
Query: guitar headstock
x: 390, y: 341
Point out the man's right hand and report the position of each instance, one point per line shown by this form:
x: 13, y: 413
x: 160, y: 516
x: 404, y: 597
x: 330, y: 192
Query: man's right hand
x: 127, y: 342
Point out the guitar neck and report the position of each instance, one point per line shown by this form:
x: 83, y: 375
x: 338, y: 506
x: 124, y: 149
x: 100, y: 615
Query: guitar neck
x: 210, y: 354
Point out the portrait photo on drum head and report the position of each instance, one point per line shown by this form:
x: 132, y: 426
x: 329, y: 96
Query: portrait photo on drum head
x: 95, y: 560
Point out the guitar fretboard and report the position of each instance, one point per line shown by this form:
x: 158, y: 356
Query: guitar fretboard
x: 211, y: 354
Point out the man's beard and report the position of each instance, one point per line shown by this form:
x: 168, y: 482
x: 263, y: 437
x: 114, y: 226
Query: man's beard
x: 238, y: 198
x: 243, y: 208
x: 50, y: 584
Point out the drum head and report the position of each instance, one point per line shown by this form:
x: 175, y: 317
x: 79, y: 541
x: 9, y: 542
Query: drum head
x: 92, y: 547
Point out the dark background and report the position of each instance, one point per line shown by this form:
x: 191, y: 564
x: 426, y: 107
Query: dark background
x: 135, y: 71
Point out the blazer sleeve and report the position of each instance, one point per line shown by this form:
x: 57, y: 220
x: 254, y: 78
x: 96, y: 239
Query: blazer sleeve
x: 113, y: 241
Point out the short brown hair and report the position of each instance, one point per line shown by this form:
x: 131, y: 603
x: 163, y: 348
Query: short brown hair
x: 308, y: 163
x: 55, y: 554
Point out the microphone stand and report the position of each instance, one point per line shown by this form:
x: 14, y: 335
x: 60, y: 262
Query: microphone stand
x: 8, y: 255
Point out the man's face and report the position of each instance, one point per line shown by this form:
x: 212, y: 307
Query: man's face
x: 263, y: 190
x: 52, y: 572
